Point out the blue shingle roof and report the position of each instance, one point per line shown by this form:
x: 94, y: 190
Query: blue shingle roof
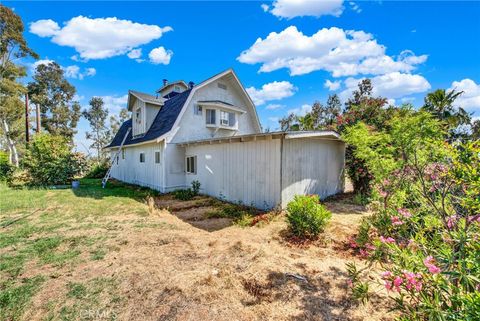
x: 162, y: 124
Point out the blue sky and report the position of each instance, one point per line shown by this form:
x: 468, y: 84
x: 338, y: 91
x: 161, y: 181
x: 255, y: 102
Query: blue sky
x: 407, y: 48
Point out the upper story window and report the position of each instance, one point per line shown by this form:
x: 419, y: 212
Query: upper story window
x: 157, y: 157
x: 123, y: 153
x: 227, y: 119
x: 197, y: 109
x: 211, y: 117
x: 138, y: 115
x: 142, y: 157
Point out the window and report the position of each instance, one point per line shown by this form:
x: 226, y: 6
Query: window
x: 176, y: 88
x: 142, y: 157
x: 138, y: 115
x: 123, y: 153
x: 157, y: 157
x: 211, y: 120
x: 227, y: 119
x: 222, y: 86
x: 191, y: 164
x: 197, y: 109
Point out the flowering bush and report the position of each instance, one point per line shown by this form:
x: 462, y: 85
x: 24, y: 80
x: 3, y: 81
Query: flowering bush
x: 306, y: 216
x: 424, y: 233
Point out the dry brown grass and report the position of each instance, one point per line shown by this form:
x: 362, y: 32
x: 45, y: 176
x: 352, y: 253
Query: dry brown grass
x: 182, y: 266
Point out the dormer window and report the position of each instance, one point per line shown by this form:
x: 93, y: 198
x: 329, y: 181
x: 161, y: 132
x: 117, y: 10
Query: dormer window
x: 138, y: 115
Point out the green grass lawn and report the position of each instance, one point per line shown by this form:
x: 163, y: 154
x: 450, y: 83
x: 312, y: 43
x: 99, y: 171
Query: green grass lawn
x: 41, y: 235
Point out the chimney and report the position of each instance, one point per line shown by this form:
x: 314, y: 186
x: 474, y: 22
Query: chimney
x: 165, y: 82
x: 191, y: 84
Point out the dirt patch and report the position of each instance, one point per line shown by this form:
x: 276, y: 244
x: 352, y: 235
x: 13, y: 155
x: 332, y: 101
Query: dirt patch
x: 179, y: 265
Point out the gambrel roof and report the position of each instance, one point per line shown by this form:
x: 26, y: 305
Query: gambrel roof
x: 171, y: 112
x: 162, y: 124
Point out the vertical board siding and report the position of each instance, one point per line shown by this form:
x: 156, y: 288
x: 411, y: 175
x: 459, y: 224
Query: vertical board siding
x: 148, y: 174
x: 312, y: 166
x: 247, y: 172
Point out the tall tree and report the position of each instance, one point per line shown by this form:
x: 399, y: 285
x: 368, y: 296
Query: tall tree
x: 116, y: 122
x: 97, y: 117
x: 441, y: 104
x: 476, y: 130
x: 54, y: 94
x: 12, y: 46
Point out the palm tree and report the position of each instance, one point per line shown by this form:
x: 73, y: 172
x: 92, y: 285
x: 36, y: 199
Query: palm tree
x: 440, y: 103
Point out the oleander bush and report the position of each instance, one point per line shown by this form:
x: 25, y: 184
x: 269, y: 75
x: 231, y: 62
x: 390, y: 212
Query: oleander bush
x: 424, y: 233
x: 306, y: 217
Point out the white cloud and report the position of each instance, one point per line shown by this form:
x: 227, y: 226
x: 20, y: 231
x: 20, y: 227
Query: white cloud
x: 470, y: 99
x: 44, y: 28
x: 332, y: 85
x: 392, y: 85
x: 90, y: 72
x: 135, y: 53
x: 301, y: 111
x: 75, y: 72
x: 299, y: 8
x: 160, y: 56
x: 72, y: 71
x: 341, y: 52
x: 114, y: 103
x: 272, y: 91
x: 40, y: 62
x: 355, y: 7
x: 265, y: 7
x: 273, y: 106
x: 98, y: 38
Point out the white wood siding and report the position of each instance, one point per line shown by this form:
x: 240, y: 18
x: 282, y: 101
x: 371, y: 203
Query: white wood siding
x: 193, y: 127
x: 247, y: 172
x: 138, y: 127
x: 312, y: 166
x: 148, y: 174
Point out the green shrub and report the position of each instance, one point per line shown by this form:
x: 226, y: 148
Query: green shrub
x: 19, y: 178
x: 5, y: 168
x: 50, y: 161
x: 98, y: 170
x: 306, y: 216
x: 184, y: 194
x: 196, y: 187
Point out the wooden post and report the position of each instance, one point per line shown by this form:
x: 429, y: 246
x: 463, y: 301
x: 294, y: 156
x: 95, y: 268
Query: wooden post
x: 27, y: 123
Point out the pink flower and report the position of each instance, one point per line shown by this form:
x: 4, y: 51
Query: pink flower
x: 404, y: 212
x: 430, y: 264
x: 388, y: 285
x: 370, y: 247
x: 413, y: 280
x: 387, y: 275
x: 387, y: 240
x: 396, y: 221
x: 397, y: 282
x: 383, y: 193
x: 363, y: 253
x: 452, y: 221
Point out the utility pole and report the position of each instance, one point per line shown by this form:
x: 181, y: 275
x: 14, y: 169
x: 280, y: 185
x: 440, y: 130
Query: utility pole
x: 27, y: 123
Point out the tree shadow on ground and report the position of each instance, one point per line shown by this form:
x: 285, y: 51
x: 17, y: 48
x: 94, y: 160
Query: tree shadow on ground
x: 92, y: 188
x: 321, y: 298
x: 195, y: 211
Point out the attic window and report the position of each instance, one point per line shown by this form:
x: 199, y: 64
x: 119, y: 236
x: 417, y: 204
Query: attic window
x: 176, y: 88
x: 222, y: 86
x: 138, y: 115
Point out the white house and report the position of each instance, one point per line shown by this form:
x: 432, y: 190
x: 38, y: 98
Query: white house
x: 210, y: 132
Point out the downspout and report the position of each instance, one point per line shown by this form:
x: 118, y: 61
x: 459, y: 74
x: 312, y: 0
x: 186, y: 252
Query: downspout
x: 281, y: 170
